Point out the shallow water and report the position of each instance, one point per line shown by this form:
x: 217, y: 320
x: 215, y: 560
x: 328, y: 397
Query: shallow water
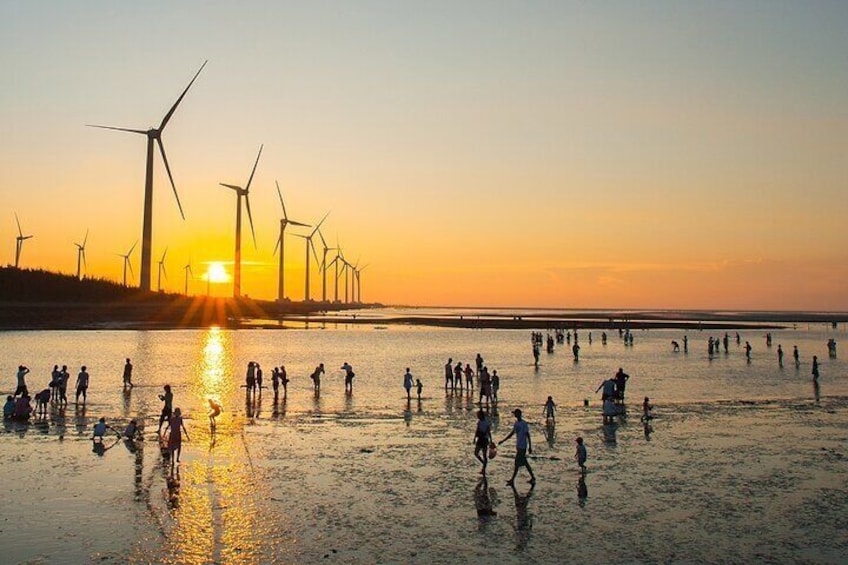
x: 743, y: 462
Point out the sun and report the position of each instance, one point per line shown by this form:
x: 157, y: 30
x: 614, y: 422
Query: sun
x: 217, y: 273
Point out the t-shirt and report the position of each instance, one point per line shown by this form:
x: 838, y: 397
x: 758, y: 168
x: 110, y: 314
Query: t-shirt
x: 609, y: 387
x: 483, y: 427
x: 581, y: 452
x: 99, y: 429
x: 21, y: 380
x: 522, y: 434
x: 82, y: 379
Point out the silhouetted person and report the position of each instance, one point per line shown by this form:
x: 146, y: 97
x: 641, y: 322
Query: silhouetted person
x: 21, y: 389
x: 82, y: 384
x: 214, y: 411
x: 250, y: 377
x: 284, y: 380
x: 449, y: 374
x: 128, y: 374
x: 167, y: 408
x: 796, y: 355
x: 349, y: 375
x: 407, y: 384
x: 482, y: 439
x: 580, y: 454
x: 316, y: 377
x: 575, y: 349
x: 523, y: 446
x: 549, y: 410
x: 621, y: 379
x: 747, y: 351
x: 175, y: 439
x: 779, y: 355
x: 815, y: 367
x: 419, y: 387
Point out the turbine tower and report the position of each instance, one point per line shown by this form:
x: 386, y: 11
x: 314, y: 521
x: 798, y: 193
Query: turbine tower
x: 127, y: 262
x: 309, y: 244
x: 281, y: 243
x: 242, y: 192
x: 357, y: 273
x: 324, y: 267
x: 188, y: 272
x: 161, y: 270
x: 19, y: 242
x: 81, y: 255
x: 154, y: 135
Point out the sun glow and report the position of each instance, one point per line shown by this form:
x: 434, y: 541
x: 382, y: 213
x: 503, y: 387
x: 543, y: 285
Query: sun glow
x: 217, y: 273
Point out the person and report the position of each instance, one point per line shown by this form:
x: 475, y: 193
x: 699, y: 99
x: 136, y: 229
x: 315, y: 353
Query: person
x: 523, y: 446
x: 250, y: 377
x: 535, y: 355
x: 609, y: 389
x: 675, y: 346
x: 63, y: 385
x: 419, y: 387
x: 407, y: 383
x: 479, y: 361
x: 815, y: 367
x: 128, y: 374
x: 9, y: 407
x: 275, y: 381
x: 100, y: 429
x: 609, y: 411
x: 485, y: 386
x: 214, y: 411
x: 258, y: 378
x: 175, y: 439
x: 646, y: 409
x: 316, y: 377
x: 580, y: 454
x: 449, y: 374
x: 779, y: 355
x: 469, y: 376
x: 23, y: 409
x: 747, y: 351
x: 457, y: 375
x: 685, y: 344
x: 496, y: 385
x: 796, y: 355
x: 482, y: 439
x: 621, y: 379
x: 168, y: 399
x: 22, y: 387
x: 576, y: 350
x: 82, y: 384
x: 549, y: 409
x: 349, y: 374
x: 726, y: 342
x: 284, y: 380
x: 55, y: 382
x: 132, y: 432
x: 41, y: 400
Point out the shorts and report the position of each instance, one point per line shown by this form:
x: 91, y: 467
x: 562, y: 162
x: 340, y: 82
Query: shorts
x: 520, y: 457
x: 81, y: 390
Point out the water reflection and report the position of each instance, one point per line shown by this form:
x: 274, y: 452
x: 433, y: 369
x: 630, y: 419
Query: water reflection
x: 582, y: 490
x: 523, y: 518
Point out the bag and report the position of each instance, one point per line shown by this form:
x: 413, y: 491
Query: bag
x: 493, y: 450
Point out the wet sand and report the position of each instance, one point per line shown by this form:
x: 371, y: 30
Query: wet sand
x: 714, y: 482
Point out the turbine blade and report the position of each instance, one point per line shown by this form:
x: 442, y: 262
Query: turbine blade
x: 250, y: 180
x: 84, y: 241
x: 83, y: 259
x: 283, y: 204
x: 279, y: 239
x: 164, y: 271
x: 170, y: 177
x: 163, y: 254
x: 141, y: 131
x: 292, y: 222
x: 323, y: 241
x: 129, y: 264
x: 314, y: 254
x: 250, y: 217
x: 234, y: 187
x: 131, y: 249
x: 20, y: 233
x: 319, y: 223
x: 180, y: 99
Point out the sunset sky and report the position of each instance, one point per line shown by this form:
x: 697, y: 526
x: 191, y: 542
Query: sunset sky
x: 546, y: 154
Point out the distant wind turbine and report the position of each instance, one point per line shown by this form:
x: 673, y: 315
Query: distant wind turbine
x: 188, y: 272
x: 281, y: 243
x: 309, y: 244
x: 239, y: 193
x: 127, y: 262
x: 81, y: 255
x: 324, y: 267
x: 154, y: 135
x: 19, y: 242
x: 357, y: 277
x: 161, y: 271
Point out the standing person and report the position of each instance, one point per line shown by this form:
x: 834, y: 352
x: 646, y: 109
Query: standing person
x: 747, y: 351
x: 796, y: 355
x: 21, y: 389
x: 482, y: 439
x: 469, y: 376
x: 609, y: 389
x: 815, y: 367
x: 580, y: 454
x: 284, y: 380
x: 349, y: 374
x: 621, y: 379
x: 779, y: 355
x: 259, y: 378
x: 523, y: 446
x: 275, y: 381
x: 549, y: 410
x: 215, y: 410
x: 82, y: 384
x: 535, y: 354
x: 485, y: 386
x: 316, y: 377
x: 168, y: 399
x: 63, y: 384
x: 419, y: 387
x: 128, y: 374
x: 457, y: 375
x: 575, y: 349
x: 175, y: 439
x: 55, y: 382
x: 250, y: 377
x: 479, y: 361
x: 407, y: 383
x: 496, y: 385
x: 449, y: 374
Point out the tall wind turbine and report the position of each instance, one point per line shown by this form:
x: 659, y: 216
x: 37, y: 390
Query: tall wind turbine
x: 19, y: 242
x: 161, y: 271
x: 357, y: 274
x: 81, y: 255
x: 154, y: 135
x: 127, y: 262
x: 188, y: 272
x: 309, y: 244
x: 281, y: 243
x: 239, y: 193
x: 324, y: 267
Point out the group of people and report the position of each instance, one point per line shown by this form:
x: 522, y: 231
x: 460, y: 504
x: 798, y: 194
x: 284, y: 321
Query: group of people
x: 612, y: 395
x: 18, y: 406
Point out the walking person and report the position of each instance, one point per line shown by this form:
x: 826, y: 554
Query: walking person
x: 175, y: 439
x: 549, y: 410
x: 407, y: 384
x: 815, y: 367
x: 523, y: 446
x: 82, y: 384
x: 128, y: 368
x: 580, y: 454
x: 482, y: 439
x: 168, y: 399
x: 779, y: 355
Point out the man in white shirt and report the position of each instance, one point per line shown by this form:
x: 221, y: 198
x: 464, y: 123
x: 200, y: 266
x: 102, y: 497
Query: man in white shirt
x: 523, y: 446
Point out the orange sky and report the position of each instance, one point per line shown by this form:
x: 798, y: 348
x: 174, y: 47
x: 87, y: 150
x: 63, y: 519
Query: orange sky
x: 563, y: 155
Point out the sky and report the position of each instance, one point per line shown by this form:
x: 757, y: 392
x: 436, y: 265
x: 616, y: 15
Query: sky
x: 538, y: 154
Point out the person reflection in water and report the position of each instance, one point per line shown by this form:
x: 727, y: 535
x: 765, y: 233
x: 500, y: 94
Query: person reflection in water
x: 523, y: 518
x: 582, y: 490
x: 484, y: 501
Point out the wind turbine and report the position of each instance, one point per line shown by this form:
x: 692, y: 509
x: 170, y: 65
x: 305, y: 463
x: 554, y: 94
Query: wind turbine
x: 324, y: 267
x: 239, y: 193
x: 161, y: 271
x: 81, y: 255
x: 154, y: 135
x: 309, y: 244
x: 127, y: 262
x: 281, y: 243
x: 19, y: 241
x: 187, y: 273
x: 357, y: 273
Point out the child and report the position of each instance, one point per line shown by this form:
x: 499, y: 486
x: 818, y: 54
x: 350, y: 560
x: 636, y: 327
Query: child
x: 646, y: 410
x: 100, y: 429
x: 550, y: 409
x: 132, y: 432
x: 580, y: 454
x: 9, y: 407
x: 419, y: 387
x: 215, y: 410
x: 41, y: 400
